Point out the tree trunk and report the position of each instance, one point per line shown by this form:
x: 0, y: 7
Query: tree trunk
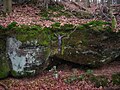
x: 7, y: 6
x: 118, y: 1
x: 102, y: 2
x: 77, y: 0
x: 109, y: 2
x: 87, y: 3
x: 95, y: 1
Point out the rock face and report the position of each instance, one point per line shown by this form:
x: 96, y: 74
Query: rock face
x: 4, y: 62
x: 89, y: 47
x: 27, y: 60
x: 30, y: 49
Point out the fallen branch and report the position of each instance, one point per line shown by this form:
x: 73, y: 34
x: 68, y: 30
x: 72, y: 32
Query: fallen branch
x: 4, y: 86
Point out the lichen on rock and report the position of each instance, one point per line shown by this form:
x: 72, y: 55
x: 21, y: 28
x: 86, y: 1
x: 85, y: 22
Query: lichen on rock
x: 27, y: 59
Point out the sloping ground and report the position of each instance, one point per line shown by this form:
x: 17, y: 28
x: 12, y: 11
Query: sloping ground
x: 46, y: 80
x: 108, y: 69
x: 29, y: 15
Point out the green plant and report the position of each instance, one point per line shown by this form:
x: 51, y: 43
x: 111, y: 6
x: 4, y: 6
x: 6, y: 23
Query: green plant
x: 67, y: 27
x: 114, y: 23
x: 4, y: 66
x: 116, y: 79
x: 56, y: 7
x: 45, y: 13
x: 11, y: 26
x: 99, y: 80
x: 2, y: 28
x: 22, y: 74
x: 73, y: 78
x: 89, y: 72
x: 96, y: 25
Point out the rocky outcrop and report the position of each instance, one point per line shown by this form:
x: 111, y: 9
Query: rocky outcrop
x: 28, y: 50
x: 89, y: 47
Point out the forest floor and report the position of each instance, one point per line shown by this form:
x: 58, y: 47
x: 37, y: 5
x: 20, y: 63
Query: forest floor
x: 29, y: 15
x: 46, y: 81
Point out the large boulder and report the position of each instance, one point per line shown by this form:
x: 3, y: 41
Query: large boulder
x: 90, y: 47
x: 32, y: 48
x: 27, y: 58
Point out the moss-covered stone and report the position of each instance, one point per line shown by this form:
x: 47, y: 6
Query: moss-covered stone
x: 4, y: 66
x: 90, y: 47
x: 87, y: 44
x: 4, y: 63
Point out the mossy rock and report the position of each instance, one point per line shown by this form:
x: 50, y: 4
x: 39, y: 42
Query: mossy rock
x: 81, y: 44
x: 4, y: 66
x: 4, y: 63
x: 90, y: 47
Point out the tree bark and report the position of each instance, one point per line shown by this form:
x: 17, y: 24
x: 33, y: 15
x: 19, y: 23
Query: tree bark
x: 95, y: 1
x: 109, y: 2
x: 87, y: 3
x: 7, y: 6
x: 118, y: 1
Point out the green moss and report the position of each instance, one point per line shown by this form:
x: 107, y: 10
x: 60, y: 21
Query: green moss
x: 22, y: 38
x: 2, y: 28
x: 45, y: 13
x: 14, y: 73
x: 55, y: 27
x: 21, y: 74
x: 4, y: 66
x: 82, y: 14
x: 73, y: 78
x: 68, y: 27
x: 46, y: 35
x: 84, y: 42
x: 26, y: 33
x: 2, y: 45
x: 11, y: 26
x: 116, y: 79
x: 99, y: 80
x: 56, y: 7
x: 43, y: 43
x: 113, y: 22
x: 54, y: 11
x: 96, y: 25
x: 62, y: 13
